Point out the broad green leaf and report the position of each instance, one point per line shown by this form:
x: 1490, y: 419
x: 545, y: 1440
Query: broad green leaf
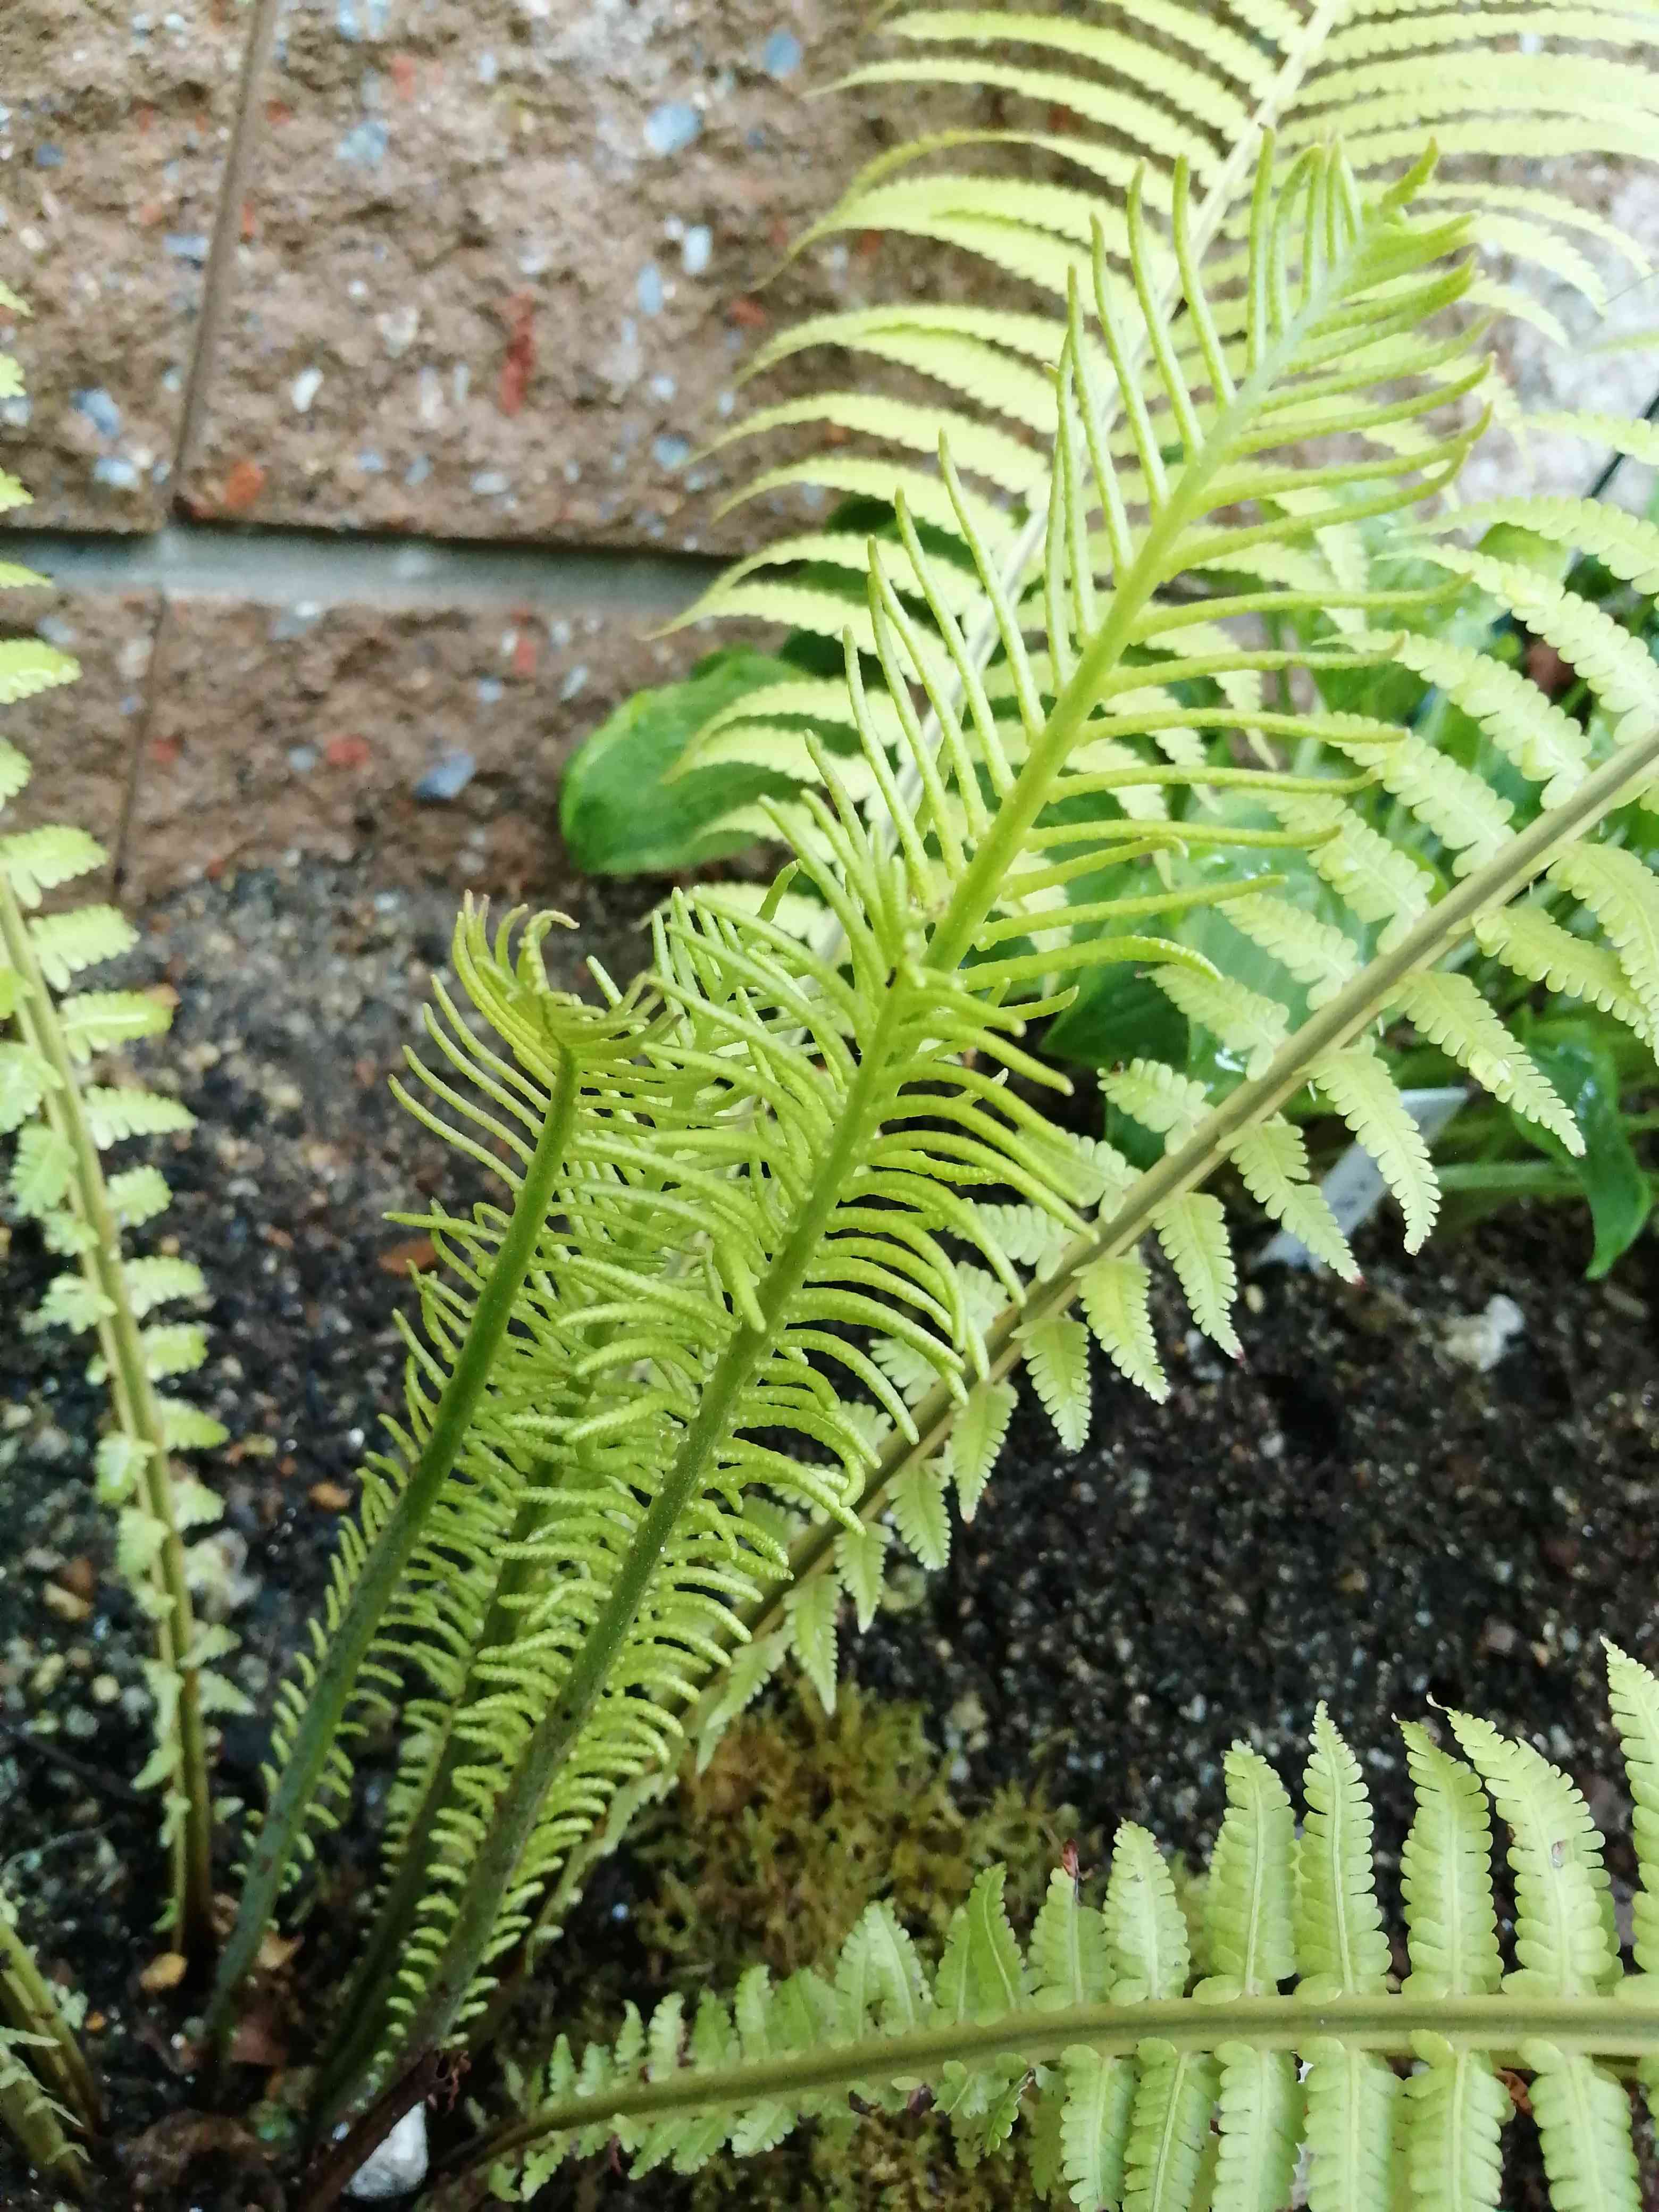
x: 618, y: 814
x: 1584, y: 1073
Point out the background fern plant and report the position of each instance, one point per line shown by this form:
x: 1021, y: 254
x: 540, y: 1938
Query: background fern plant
x: 1089, y: 100
x: 61, y: 1122
x: 676, y: 776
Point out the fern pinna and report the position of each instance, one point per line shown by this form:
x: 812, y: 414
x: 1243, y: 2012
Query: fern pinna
x: 51, y: 1033
x: 742, y: 1193
x: 1141, y: 2059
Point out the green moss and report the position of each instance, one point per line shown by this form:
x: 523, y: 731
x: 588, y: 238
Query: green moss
x: 800, y: 1819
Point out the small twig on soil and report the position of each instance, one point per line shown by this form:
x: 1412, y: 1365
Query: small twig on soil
x: 106, y: 1785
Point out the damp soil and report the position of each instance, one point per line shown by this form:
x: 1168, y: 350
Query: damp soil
x: 1350, y: 1512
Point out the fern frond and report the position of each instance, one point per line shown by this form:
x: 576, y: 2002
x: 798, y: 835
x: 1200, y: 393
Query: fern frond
x: 1363, y: 1092
x: 725, y: 1186
x: 1152, y: 2095
x: 1448, y: 1009
x: 1340, y: 1946
x: 56, y: 1180
x: 1113, y: 1295
x: 1378, y: 80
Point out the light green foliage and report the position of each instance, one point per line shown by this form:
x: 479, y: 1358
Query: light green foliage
x: 1170, y: 2096
x: 769, y: 1156
x: 1095, y: 102
x: 781, y: 1219
x: 1309, y: 69
x: 52, y: 1033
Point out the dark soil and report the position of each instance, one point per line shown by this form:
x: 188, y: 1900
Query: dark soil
x: 1349, y: 1513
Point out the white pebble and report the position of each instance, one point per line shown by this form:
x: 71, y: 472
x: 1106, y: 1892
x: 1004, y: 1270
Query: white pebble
x: 396, y: 2165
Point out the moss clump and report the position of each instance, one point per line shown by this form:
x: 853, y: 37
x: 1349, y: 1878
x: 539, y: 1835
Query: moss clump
x: 800, y: 1819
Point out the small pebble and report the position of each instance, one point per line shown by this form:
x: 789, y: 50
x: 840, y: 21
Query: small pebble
x: 672, y: 127
x: 447, y: 777
x: 99, y: 410
x: 330, y: 1497
x: 164, y: 1973
x: 395, y: 2165
x: 1479, y: 1340
x: 695, y: 249
x: 363, y: 148
x: 780, y: 56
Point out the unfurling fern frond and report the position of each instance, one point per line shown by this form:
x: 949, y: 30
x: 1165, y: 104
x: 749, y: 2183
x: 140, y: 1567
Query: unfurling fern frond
x: 1124, y: 2082
x: 60, y: 1124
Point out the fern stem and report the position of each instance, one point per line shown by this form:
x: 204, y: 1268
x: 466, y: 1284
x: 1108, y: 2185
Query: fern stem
x: 1335, y: 1024
x: 555, y: 1735
x: 139, y: 1418
x: 27, y: 2000
x: 1599, y: 2027
x: 280, y: 1834
x: 999, y: 850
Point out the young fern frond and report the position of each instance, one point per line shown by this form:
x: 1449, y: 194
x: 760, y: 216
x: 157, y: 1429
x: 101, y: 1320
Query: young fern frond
x: 60, y: 1122
x: 1126, y: 2083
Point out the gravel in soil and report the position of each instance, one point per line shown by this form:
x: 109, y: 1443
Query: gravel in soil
x: 1351, y: 1512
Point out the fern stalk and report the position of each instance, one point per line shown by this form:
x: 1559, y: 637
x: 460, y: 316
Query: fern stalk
x: 280, y: 1833
x: 139, y: 1418
x: 363, y: 2017
x: 27, y: 2000
x: 1344, y: 1018
x: 1602, y: 2027
x: 27, y: 2115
